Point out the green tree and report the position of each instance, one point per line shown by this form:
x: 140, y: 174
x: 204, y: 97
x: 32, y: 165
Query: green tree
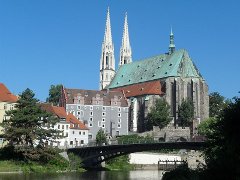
x: 159, y: 115
x: 204, y: 128
x: 54, y: 94
x: 216, y: 104
x: 101, y: 137
x: 186, y: 112
x: 25, y: 126
x: 223, y: 152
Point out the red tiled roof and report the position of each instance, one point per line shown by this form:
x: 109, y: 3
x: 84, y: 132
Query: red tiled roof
x: 6, y: 95
x: 59, y: 111
x: 74, y: 121
x: 146, y: 88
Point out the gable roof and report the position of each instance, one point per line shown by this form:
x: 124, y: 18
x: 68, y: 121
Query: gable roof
x: 75, y: 123
x: 88, y: 95
x: 58, y: 111
x: 61, y: 113
x: 178, y: 64
x: 6, y: 95
x: 146, y: 88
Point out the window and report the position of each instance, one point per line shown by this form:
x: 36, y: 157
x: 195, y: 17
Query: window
x: 89, y: 136
x: 58, y: 126
x: 90, y: 119
x: 5, y: 106
x: 83, y: 132
x: 91, y: 107
x: 117, y: 133
x: 103, y: 126
x: 73, y: 132
x: 119, y: 120
x: 104, y: 114
x: 103, y: 108
x: 79, y: 107
x: 82, y: 141
x: 80, y: 133
x: 119, y: 114
x: 78, y: 112
x: 99, y: 124
x: 90, y: 125
x: 67, y: 127
x: 66, y: 134
x: 103, y: 119
x: 91, y: 113
x: 62, y: 126
x: 71, y: 142
x: 119, y: 125
x: 119, y: 109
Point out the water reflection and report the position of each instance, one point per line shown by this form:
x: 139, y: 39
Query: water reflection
x: 91, y: 175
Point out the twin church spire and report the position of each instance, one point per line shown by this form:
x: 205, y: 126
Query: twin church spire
x: 107, y: 62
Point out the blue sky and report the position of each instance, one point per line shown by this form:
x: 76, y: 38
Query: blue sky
x: 46, y: 42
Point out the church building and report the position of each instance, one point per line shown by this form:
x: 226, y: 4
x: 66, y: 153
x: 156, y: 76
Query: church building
x: 172, y: 76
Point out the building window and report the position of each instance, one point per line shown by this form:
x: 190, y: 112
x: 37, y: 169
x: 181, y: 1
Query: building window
x: 62, y: 126
x: 103, y: 119
x: 78, y: 112
x: 119, y: 120
x: 89, y: 136
x: 79, y: 107
x: 117, y: 133
x: 119, y: 114
x: 99, y: 124
x: 90, y: 125
x: 82, y: 141
x: 103, y: 108
x: 91, y: 107
x: 90, y: 119
x: 104, y: 114
x: 67, y: 127
x: 103, y: 125
x: 91, y: 113
x: 119, y: 109
x: 84, y: 133
x: 66, y: 134
x: 119, y: 125
x: 71, y: 142
x: 80, y: 133
x: 5, y: 106
x: 58, y: 126
x: 73, y: 132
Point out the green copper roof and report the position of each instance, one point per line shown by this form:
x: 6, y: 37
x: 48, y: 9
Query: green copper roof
x: 177, y: 64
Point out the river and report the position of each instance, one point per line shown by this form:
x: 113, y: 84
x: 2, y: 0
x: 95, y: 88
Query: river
x: 89, y: 175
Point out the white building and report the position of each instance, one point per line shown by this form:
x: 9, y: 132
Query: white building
x: 74, y: 132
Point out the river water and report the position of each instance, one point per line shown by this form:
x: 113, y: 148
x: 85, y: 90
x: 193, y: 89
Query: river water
x: 90, y: 175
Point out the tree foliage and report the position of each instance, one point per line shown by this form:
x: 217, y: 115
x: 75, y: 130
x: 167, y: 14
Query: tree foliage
x: 223, y: 151
x: 24, y: 127
x: 159, y: 115
x: 186, y: 112
x: 216, y: 104
x: 101, y: 137
x: 54, y: 94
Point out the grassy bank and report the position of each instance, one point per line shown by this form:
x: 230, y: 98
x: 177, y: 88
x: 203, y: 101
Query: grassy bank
x: 119, y: 163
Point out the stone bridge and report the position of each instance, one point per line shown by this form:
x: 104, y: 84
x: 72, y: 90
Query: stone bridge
x: 93, y: 156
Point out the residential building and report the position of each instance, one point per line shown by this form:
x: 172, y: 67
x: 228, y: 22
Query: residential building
x: 74, y: 132
x: 107, y: 110
x: 7, y: 102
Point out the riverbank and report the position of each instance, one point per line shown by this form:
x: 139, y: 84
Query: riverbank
x: 34, y: 167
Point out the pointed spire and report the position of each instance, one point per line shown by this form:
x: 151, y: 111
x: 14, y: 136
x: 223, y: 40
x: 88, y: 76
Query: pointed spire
x: 108, y: 33
x: 125, y: 51
x: 107, y: 61
x: 171, y: 45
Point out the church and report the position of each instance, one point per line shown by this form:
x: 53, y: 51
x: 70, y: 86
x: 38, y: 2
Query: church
x: 172, y: 76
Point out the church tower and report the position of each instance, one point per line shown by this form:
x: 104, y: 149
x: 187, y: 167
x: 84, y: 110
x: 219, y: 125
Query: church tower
x: 125, y: 50
x: 171, y: 45
x: 107, y: 62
